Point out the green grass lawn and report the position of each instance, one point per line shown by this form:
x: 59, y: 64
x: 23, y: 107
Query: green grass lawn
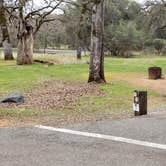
x: 13, y: 77
x: 118, y: 96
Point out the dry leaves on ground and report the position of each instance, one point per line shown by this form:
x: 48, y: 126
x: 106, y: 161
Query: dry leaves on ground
x: 54, y: 94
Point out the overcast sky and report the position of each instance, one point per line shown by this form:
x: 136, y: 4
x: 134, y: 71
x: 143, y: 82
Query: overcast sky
x: 40, y: 2
x: 140, y: 1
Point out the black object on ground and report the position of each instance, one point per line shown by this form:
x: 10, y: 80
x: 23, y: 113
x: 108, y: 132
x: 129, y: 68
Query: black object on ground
x: 155, y: 73
x: 13, y: 98
x: 44, y: 62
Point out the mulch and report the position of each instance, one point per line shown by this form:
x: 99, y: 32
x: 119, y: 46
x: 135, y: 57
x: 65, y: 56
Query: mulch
x: 56, y: 94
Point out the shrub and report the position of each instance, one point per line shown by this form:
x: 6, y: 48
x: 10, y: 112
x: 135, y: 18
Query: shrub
x: 158, y: 45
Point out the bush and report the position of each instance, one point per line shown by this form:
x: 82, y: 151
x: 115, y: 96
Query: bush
x: 158, y: 45
x: 121, y: 39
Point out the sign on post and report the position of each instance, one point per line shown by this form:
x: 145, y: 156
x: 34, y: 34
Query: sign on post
x: 140, y: 103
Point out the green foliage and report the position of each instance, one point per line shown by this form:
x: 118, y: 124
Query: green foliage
x: 127, y: 26
x: 158, y: 45
x: 122, y: 38
x: 148, y: 42
x: 155, y: 21
x: 78, y: 26
x: 122, y: 31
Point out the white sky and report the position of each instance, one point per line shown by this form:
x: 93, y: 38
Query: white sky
x: 40, y: 2
x: 140, y: 1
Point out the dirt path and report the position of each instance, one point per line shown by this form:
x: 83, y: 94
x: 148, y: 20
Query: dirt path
x: 141, y: 80
x: 15, y: 123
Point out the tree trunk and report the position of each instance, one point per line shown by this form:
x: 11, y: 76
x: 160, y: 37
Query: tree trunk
x: 96, y: 72
x: 25, y: 45
x: 79, y: 35
x: 8, y: 55
x: 79, y: 52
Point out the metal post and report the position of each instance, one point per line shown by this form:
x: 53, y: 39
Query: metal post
x: 140, y: 103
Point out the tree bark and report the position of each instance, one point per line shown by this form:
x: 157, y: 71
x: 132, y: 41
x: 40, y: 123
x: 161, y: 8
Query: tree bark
x: 8, y: 55
x: 25, y: 45
x: 25, y: 38
x: 96, y: 71
x: 79, y: 52
x: 79, y: 35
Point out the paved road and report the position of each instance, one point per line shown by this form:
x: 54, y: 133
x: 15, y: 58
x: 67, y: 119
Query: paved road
x: 31, y: 146
x: 57, y: 52
x: 49, y: 51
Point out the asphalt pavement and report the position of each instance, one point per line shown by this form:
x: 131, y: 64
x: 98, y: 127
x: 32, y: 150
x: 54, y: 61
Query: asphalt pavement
x: 33, y: 146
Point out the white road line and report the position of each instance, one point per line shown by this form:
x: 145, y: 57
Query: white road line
x: 106, y: 137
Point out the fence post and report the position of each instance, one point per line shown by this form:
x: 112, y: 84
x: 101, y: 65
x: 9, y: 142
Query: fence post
x: 140, y: 103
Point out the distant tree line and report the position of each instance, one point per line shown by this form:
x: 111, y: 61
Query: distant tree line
x: 128, y: 26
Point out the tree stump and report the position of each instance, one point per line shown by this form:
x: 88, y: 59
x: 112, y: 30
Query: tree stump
x: 155, y: 73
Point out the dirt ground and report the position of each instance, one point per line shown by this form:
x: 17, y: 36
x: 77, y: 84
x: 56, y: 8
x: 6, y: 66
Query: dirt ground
x: 60, y: 120
x: 143, y: 81
x: 12, y: 122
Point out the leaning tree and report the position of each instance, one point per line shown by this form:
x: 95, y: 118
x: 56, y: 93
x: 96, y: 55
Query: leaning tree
x: 5, y: 33
x: 30, y: 17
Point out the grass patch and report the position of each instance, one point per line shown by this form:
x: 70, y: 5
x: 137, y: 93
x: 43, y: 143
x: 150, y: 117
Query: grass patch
x: 118, y: 98
x: 118, y: 94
